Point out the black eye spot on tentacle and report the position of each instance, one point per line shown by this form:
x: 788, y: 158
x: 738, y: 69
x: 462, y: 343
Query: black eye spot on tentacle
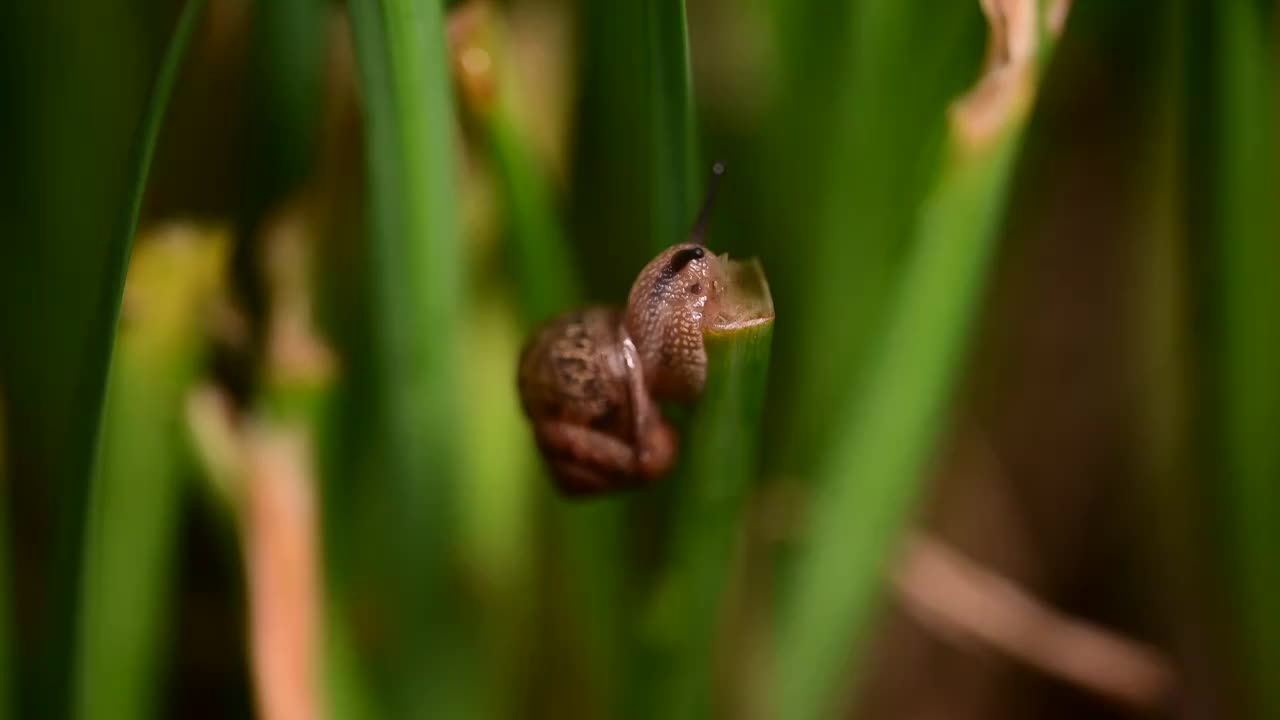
x: 680, y: 259
x: 695, y: 288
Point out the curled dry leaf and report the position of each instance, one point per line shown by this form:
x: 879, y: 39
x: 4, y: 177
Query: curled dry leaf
x: 1008, y: 80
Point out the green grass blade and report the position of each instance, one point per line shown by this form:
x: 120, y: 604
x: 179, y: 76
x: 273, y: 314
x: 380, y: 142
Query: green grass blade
x: 586, y: 538
x: 609, y: 196
x: 8, y: 674
x: 415, y: 282
x: 1246, y: 227
x: 101, y: 342
x: 634, y: 159
x: 722, y: 449
x: 544, y: 265
x: 867, y: 485
x: 1174, y: 555
x: 131, y: 538
x: 346, y: 695
x: 671, y: 131
x: 862, y: 152
x: 590, y: 536
x: 83, y: 438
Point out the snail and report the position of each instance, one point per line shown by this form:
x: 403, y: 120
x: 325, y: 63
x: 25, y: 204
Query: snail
x: 590, y: 380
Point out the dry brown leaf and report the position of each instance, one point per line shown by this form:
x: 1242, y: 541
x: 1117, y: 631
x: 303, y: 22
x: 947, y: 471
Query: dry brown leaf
x: 1008, y: 81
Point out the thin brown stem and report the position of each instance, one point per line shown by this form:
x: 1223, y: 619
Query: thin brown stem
x: 960, y: 599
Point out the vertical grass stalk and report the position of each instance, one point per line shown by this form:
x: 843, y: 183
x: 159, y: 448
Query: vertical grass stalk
x: 671, y: 131
x: 541, y: 260
x: 1246, y: 226
x: 415, y: 282
x: 721, y: 453
x: 868, y: 482
x: 1175, y: 558
x: 133, y: 518
x: 635, y: 164
x: 8, y: 649
x: 633, y: 173
x: 857, y: 163
x: 89, y: 510
x: 545, y: 267
x: 85, y: 439
x: 77, y: 88
x: 586, y: 537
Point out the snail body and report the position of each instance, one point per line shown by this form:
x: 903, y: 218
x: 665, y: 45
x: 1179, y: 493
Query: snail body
x: 590, y: 380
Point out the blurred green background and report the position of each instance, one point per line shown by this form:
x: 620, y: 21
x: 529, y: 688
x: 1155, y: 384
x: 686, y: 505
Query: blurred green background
x: 266, y: 268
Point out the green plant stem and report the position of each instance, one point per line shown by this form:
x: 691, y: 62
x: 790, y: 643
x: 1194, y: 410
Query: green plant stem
x: 586, y: 538
x: 131, y: 537
x: 543, y: 262
x: 866, y: 486
x: 671, y: 132
x: 118, y: 257
x: 859, y: 143
x: 1177, y: 562
x: 634, y: 157
x: 81, y: 472
x: 415, y: 282
x: 722, y: 443
x: 77, y: 86
x: 590, y: 534
x: 8, y: 703
x: 1246, y: 229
